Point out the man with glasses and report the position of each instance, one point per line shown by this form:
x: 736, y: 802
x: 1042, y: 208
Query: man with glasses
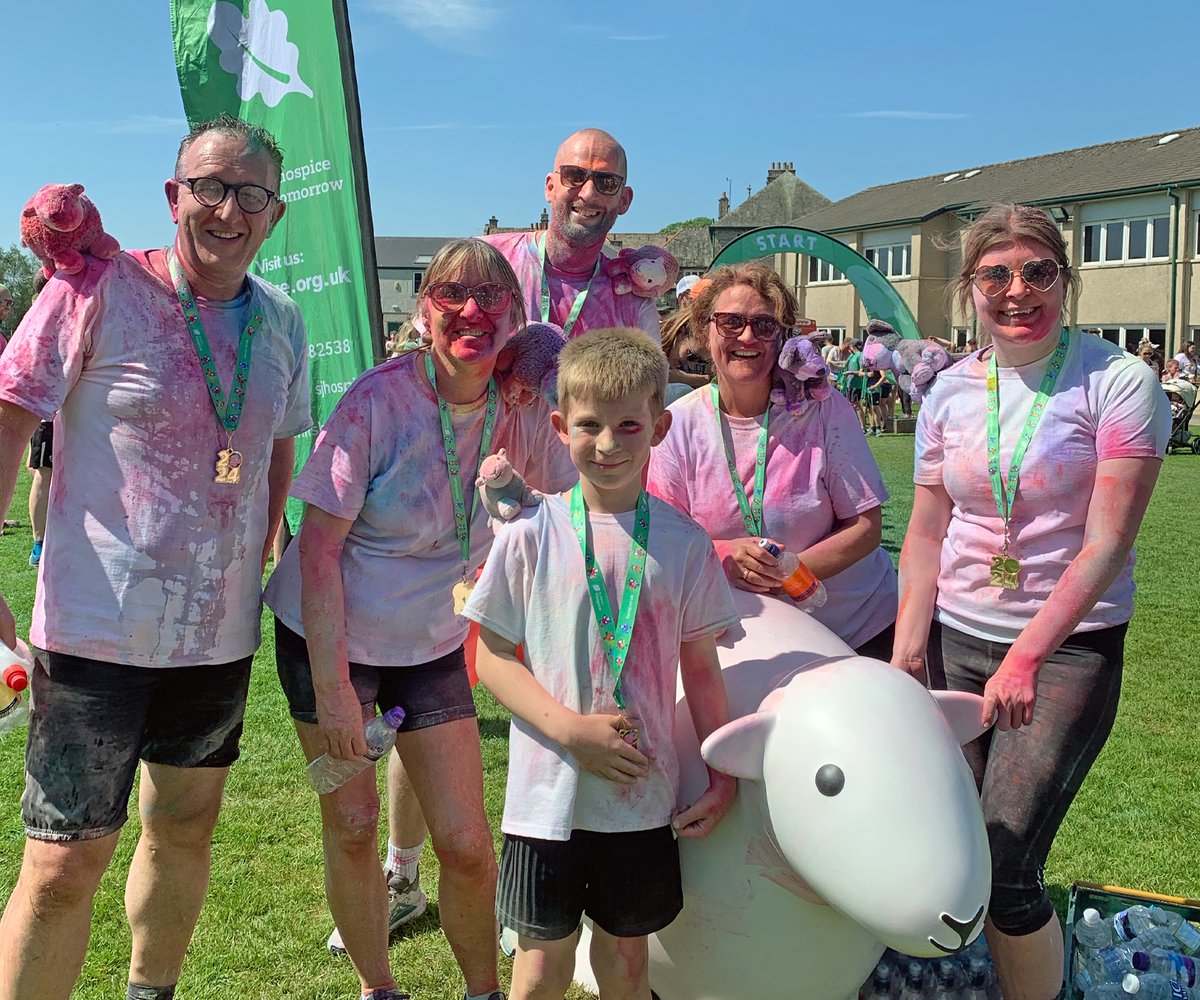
x: 181, y: 382
x: 562, y: 270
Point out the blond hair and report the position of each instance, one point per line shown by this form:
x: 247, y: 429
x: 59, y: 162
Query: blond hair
x: 607, y: 365
x: 458, y: 258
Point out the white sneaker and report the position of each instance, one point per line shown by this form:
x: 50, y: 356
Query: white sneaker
x: 406, y: 902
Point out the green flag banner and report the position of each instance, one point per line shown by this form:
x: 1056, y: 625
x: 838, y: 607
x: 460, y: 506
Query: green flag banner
x: 287, y: 65
x: 879, y: 298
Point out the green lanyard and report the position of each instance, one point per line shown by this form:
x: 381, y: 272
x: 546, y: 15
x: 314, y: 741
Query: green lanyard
x: 462, y: 523
x: 1006, y: 570
x: 616, y: 636
x: 580, y: 299
x: 751, y: 509
x: 228, y: 407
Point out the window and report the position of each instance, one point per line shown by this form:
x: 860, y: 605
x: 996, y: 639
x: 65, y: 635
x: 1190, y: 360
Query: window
x: 1128, y: 337
x: 1127, y: 239
x: 417, y: 276
x: 836, y: 334
x: 821, y: 272
x: 893, y: 261
x: 960, y: 337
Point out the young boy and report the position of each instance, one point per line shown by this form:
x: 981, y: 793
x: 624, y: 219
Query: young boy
x: 590, y: 819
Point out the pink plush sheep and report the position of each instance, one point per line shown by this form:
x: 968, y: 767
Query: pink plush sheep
x: 59, y: 225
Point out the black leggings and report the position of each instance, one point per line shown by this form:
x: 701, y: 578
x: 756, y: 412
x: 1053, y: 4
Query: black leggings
x: 1028, y: 777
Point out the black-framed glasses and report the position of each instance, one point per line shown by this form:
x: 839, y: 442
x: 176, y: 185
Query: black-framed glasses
x: 492, y: 297
x: 211, y: 191
x: 994, y: 279
x: 731, y: 325
x: 576, y: 177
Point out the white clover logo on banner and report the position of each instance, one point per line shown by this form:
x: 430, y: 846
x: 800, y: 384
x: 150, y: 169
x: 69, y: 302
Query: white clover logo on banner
x: 256, y: 50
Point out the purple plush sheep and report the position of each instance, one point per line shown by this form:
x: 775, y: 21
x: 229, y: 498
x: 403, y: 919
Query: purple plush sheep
x: 801, y: 375
x: 915, y: 362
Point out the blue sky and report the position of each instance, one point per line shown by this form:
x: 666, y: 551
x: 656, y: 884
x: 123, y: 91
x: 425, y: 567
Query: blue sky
x: 464, y: 101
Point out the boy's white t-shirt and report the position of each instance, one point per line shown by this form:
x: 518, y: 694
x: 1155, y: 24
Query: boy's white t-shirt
x: 533, y: 591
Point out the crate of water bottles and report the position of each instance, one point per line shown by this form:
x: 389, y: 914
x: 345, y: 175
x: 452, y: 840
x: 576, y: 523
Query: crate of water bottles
x: 1122, y: 943
x: 965, y: 975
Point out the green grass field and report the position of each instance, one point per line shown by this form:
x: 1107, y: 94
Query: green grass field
x: 263, y: 929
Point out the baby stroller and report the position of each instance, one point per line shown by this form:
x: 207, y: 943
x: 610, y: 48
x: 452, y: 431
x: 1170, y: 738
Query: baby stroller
x: 1181, y: 394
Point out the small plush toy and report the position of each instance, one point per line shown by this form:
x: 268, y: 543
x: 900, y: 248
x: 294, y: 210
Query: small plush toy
x: 915, y: 362
x: 502, y: 491
x: 645, y: 271
x: 800, y: 376
x: 59, y: 225
x: 527, y: 365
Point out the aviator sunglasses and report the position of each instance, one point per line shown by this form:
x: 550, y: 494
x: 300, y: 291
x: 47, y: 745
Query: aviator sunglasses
x: 491, y: 296
x: 731, y: 325
x: 994, y: 279
x: 576, y: 177
x: 211, y: 191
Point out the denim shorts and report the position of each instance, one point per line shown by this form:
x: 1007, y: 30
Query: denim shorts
x: 1028, y: 777
x: 628, y: 883
x: 91, y: 721
x: 431, y: 693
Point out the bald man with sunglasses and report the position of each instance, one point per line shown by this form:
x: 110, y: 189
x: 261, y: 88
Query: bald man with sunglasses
x: 562, y: 270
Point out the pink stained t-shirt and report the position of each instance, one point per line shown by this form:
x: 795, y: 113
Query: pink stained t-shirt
x: 379, y: 462
x: 819, y: 470
x: 1107, y: 404
x: 602, y: 308
x: 534, y: 590
x: 150, y: 563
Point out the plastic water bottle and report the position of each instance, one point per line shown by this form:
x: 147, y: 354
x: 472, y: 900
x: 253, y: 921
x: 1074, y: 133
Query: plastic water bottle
x: 946, y: 982
x: 914, y: 981
x: 327, y: 773
x: 977, y: 980
x: 1093, y: 931
x: 1132, y: 921
x: 14, y: 679
x: 1106, y: 991
x: 799, y: 583
x: 1187, y: 935
x: 1171, y: 964
x: 879, y: 986
x: 1149, y: 986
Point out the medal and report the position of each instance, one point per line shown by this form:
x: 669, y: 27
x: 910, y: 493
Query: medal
x: 227, y: 469
x: 1005, y: 571
x: 460, y: 593
x: 462, y: 520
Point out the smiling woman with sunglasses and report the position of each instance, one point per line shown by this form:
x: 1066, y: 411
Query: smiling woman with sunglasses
x: 367, y: 603
x: 747, y: 469
x: 1035, y: 459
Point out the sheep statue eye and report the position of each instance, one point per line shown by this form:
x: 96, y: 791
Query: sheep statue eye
x: 830, y: 779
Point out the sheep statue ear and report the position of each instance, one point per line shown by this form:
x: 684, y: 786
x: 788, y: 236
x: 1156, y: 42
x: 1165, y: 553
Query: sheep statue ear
x: 962, y: 712
x: 737, y: 748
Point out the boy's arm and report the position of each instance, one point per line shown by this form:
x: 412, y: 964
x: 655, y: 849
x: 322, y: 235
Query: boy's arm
x: 593, y: 740
x: 705, y: 690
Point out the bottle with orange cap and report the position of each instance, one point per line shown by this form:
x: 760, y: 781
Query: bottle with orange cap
x: 14, y: 679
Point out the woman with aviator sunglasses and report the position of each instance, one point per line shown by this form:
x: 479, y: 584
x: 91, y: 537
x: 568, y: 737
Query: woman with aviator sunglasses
x: 747, y: 469
x: 367, y: 603
x: 1035, y: 459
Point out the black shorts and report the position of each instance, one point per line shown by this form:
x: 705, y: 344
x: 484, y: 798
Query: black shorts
x: 431, y: 693
x: 91, y: 721
x: 1028, y: 777
x: 41, y: 446
x: 628, y: 883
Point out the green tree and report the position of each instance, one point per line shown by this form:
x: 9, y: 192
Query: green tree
x: 18, y: 267
x: 699, y: 220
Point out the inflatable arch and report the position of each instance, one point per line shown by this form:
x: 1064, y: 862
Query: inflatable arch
x: 879, y: 298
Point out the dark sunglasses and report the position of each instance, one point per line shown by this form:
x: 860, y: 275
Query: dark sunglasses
x: 731, y: 325
x: 995, y: 278
x: 211, y: 191
x: 491, y: 296
x: 576, y: 177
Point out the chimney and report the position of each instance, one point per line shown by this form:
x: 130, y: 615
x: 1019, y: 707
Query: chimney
x: 491, y: 226
x: 544, y: 222
x: 778, y: 169
x: 723, y: 206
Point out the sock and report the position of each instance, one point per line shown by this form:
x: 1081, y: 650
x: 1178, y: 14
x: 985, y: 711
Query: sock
x: 483, y: 996
x: 404, y: 860
x: 138, y: 992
